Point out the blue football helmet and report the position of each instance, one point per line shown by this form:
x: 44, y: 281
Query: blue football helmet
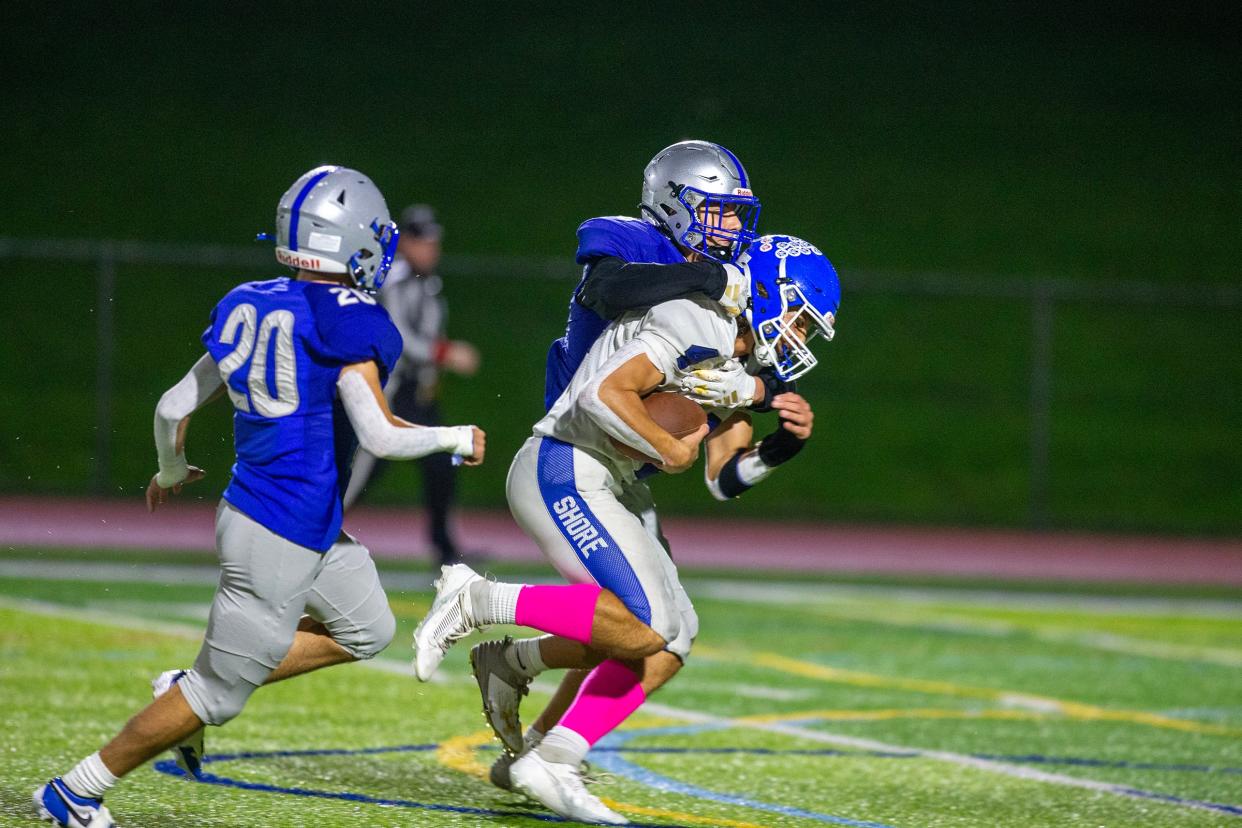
x: 794, y: 296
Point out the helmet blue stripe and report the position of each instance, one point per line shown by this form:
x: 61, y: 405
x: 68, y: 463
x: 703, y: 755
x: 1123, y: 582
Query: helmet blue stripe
x: 297, y: 205
x: 741, y: 172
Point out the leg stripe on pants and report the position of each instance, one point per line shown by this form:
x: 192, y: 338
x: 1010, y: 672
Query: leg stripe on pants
x: 584, y: 532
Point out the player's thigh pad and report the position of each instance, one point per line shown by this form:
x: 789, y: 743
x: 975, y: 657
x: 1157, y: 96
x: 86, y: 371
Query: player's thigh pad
x: 566, y: 501
x: 349, y: 601
x: 636, y: 497
x: 264, y: 582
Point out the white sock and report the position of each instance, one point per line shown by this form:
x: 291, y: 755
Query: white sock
x: 524, y: 657
x: 90, y: 778
x: 492, y: 602
x: 531, y: 738
x: 564, y: 746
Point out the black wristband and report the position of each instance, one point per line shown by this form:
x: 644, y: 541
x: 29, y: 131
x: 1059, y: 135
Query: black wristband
x: 779, y: 447
x: 772, y: 386
x: 730, y: 484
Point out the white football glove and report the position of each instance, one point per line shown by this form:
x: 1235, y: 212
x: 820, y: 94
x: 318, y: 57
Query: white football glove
x: 728, y: 386
x: 737, y: 290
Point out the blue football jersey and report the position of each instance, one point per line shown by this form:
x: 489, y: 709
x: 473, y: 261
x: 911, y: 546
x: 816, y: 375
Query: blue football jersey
x: 280, y: 346
x: 630, y: 239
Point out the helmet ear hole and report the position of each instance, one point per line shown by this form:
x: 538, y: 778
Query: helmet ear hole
x: 340, y: 198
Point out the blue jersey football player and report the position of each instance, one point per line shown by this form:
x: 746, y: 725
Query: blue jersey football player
x: 303, y: 361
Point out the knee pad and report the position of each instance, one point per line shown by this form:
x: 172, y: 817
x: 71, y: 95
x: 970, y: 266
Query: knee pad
x: 369, y: 640
x: 681, y: 644
x: 218, y: 690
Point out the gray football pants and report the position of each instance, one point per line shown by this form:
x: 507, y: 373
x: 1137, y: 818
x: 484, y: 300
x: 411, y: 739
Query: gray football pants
x: 267, y: 583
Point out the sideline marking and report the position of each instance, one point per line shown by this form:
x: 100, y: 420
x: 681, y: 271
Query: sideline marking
x: 985, y: 764
x: 616, y: 764
x: 1071, y: 709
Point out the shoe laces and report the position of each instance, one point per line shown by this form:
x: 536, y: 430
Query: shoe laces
x: 591, y: 776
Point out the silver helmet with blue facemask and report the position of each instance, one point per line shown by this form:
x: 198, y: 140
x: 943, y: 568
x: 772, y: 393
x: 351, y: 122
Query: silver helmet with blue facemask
x: 693, y: 190
x: 334, y: 220
x: 794, y: 297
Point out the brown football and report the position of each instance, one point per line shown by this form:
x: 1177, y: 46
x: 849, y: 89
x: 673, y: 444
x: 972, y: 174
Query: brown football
x: 671, y: 412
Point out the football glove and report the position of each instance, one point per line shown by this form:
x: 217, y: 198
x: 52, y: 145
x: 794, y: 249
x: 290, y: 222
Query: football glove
x: 728, y: 386
x: 736, y: 294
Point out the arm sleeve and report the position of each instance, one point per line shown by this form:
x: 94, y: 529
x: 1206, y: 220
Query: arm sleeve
x: 383, y: 439
x: 613, y: 286
x: 177, y: 403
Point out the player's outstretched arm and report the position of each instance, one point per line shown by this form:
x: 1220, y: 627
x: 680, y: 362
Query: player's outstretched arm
x: 614, y: 401
x: 386, y: 435
x: 733, y: 466
x: 172, y: 419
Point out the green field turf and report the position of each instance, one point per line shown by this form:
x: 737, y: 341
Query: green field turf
x: 808, y: 703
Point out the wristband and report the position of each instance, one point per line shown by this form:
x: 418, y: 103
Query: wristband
x: 779, y: 447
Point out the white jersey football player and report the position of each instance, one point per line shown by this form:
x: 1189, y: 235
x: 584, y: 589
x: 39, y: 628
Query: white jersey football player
x: 303, y: 360
x: 571, y: 488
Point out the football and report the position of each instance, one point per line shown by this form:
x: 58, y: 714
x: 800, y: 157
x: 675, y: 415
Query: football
x: 671, y: 412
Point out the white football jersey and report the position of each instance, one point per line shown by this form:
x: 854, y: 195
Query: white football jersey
x: 676, y: 336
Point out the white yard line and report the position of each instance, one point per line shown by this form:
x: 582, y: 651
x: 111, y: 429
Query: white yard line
x: 184, y: 631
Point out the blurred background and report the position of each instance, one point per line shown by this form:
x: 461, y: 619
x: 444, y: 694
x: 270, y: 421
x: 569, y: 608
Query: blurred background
x: 1035, y: 209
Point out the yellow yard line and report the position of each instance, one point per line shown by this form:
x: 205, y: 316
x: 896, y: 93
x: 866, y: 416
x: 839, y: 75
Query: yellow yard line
x: 1070, y: 709
x: 886, y: 715
x: 458, y: 753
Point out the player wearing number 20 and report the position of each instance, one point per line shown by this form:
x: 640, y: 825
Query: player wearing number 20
x: 304, y: 361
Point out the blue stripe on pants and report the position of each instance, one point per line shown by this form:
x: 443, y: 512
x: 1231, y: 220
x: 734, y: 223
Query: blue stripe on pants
x: 584, y: 532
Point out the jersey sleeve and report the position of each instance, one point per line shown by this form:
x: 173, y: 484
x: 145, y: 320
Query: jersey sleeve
x: 680, y: 334
x: 600, y: 237
x: 359, y: 333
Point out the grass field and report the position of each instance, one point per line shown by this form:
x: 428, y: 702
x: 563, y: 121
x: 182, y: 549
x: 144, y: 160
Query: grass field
x: 805, y: 703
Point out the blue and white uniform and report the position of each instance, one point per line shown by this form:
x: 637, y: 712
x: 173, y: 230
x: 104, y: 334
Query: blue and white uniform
x: 574, y: 492
x: 279, y: 346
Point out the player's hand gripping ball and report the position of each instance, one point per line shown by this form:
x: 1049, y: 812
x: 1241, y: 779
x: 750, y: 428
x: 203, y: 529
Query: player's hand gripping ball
x: 672, y: 412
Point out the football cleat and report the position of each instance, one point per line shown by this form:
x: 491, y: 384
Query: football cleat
x: 502, y: 689
x: 55, y: 803
x: 189, y: 753
x: 449, y: 620
x: 560, y: 787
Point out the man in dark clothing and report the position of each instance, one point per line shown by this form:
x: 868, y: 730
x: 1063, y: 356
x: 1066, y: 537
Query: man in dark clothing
x: 414, y: 298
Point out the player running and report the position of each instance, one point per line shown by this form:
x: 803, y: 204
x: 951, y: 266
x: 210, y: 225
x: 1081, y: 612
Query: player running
x: 304, y: 361
x: 698, y: 214
x: 625, y: 614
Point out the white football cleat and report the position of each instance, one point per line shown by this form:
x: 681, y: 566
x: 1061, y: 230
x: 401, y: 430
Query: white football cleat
x: 55, y: 803
x: 559, y: 786
x: 189, y: 753
x: 449, y: 620
x: 502, y: 689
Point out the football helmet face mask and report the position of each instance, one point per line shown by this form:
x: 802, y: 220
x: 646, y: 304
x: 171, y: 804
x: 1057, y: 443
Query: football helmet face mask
x: 794, y: 296
x: 334, y: 220
x: 698, y: 192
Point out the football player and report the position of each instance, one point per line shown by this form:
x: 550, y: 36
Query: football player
x: 624, y: 613
x: 303, y: 359
x: 698, y: 213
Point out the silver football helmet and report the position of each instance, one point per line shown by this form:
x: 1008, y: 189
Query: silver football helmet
x: 334, y: 220
x: 699, y: 194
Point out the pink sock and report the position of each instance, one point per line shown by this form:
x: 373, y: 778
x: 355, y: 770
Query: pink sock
x: 607, y: 698
x: 567, y: 610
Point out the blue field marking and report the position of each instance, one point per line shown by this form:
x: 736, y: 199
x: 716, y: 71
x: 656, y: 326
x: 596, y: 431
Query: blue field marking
x: 612, y: 761
x: 169, y: 767
x: 616, y: 742
x: 607, y: 756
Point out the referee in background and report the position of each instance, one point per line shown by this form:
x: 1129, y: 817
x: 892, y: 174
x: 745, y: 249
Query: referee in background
x: 413, y: 295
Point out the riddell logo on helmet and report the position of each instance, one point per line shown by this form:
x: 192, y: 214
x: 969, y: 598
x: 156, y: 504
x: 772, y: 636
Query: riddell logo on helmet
x: 742, y: 191
x: 288, y: 257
